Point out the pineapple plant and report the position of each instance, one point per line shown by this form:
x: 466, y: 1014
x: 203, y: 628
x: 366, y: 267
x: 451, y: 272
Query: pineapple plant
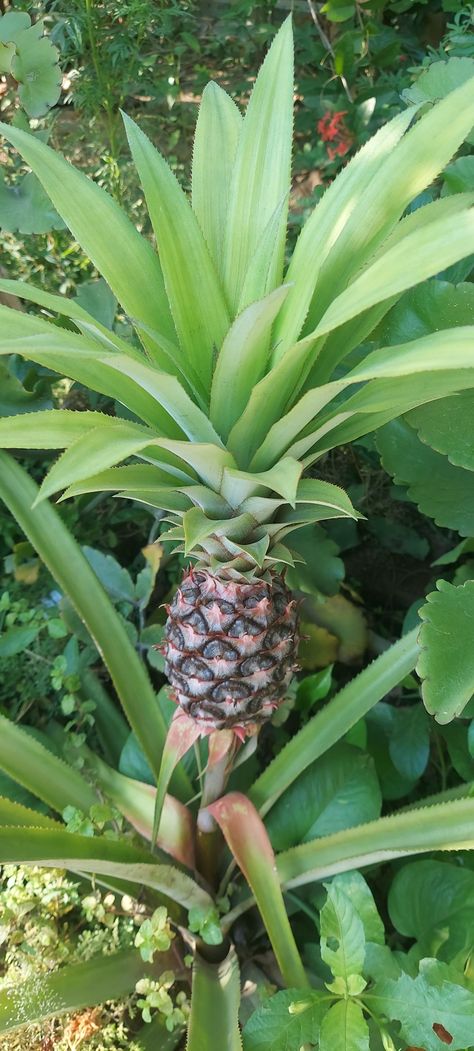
x: 240, y: 377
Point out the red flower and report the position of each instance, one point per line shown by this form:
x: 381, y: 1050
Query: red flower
x: 331, y: 126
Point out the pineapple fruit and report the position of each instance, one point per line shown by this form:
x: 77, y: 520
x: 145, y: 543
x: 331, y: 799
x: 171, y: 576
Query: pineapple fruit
x: 238, y: 379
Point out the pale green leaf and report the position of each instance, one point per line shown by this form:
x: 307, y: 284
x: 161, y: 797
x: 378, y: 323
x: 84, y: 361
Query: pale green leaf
x: 261, y: 177
x: 443, y: 492
x: 264, y: 269
x: 342, y: 934
x: 290, y: 1019
x: 447, y: 425
x: 215, y: 144
x: 130, y: 478
x: 424, y: 1003
x: 53, y: 428
x: 195, y: 295
x: 103, y: 231
x: 414, y: 258
x: 327, y: 223
x: 446, y: 661
x: 242, y: 360
x: 344, y: 1027
x: 169, y: 393
x: 283, y: 479
x: 406, y: 170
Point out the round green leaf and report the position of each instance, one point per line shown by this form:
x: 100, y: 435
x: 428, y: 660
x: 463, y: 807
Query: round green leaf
x: 446, y: 662
x: 447, y: 426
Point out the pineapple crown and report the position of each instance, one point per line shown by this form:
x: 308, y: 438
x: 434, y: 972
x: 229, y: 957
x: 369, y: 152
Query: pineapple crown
x: 239, y: 381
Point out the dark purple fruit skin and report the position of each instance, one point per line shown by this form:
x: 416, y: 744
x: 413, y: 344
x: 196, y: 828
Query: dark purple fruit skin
x: 230, y: 648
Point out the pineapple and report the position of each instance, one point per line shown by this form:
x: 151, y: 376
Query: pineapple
x: 239, y: 379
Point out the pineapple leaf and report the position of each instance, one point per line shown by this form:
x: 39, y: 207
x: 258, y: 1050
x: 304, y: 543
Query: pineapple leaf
x: 283, y: 479
x: 242, y: 360
x: 164, y: 499
x: 195, y: 295
x: 248, y: 841
x: 74, y: 356
x: 58, y: 848
x: 261, y: 177
x: 128, y: 479
x: 264, y: 270
x: 407, y: 170
x: 169, y: 393
x: 50, y: 429
x: 197, y: 527
x: 420, y: 254
x: 105, y: 234
x: 216, y: 995
x: 47, y: 776
x: 327, y: 223
x: 209, y: 461
x: 90, y: 453
x: 215, y: 144
x: 445, y: 351
x: 315, y: 491
x: 71, y: 309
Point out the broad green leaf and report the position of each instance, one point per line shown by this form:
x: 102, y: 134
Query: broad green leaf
x: 446, y: 661
x: 57, y: 848
x: 342, y: 934
x: 432, y: 1009
x: 414, y: 258
x: 195, y: 295
x: 73, y: 987
x: 447, y: 426
x: 458, y: 177
x: 215, y: 144
x: 25, y: 207
x: 242, y: 360
x: 322, y: 571
x: 216, y: 996
x: 53, y: 781
x: 358, y: 891
x: 344, y: 1027
x: 287, y: 1021
x: 433, y: 305
x: 64, y: 559
x: 100, y: 226
x: 338, y: 790
x: 329, y: 725
x: 15, y: 398
x: 443, y: 492
x: 247, y: 839
x: 409, y: 742
x: 326, y: 224
x: 36, y: 69
x: 16, y: 639
x: 114, y: 577
x: 433, y: 901
x: 261, y: 176
x: 438, y: 79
